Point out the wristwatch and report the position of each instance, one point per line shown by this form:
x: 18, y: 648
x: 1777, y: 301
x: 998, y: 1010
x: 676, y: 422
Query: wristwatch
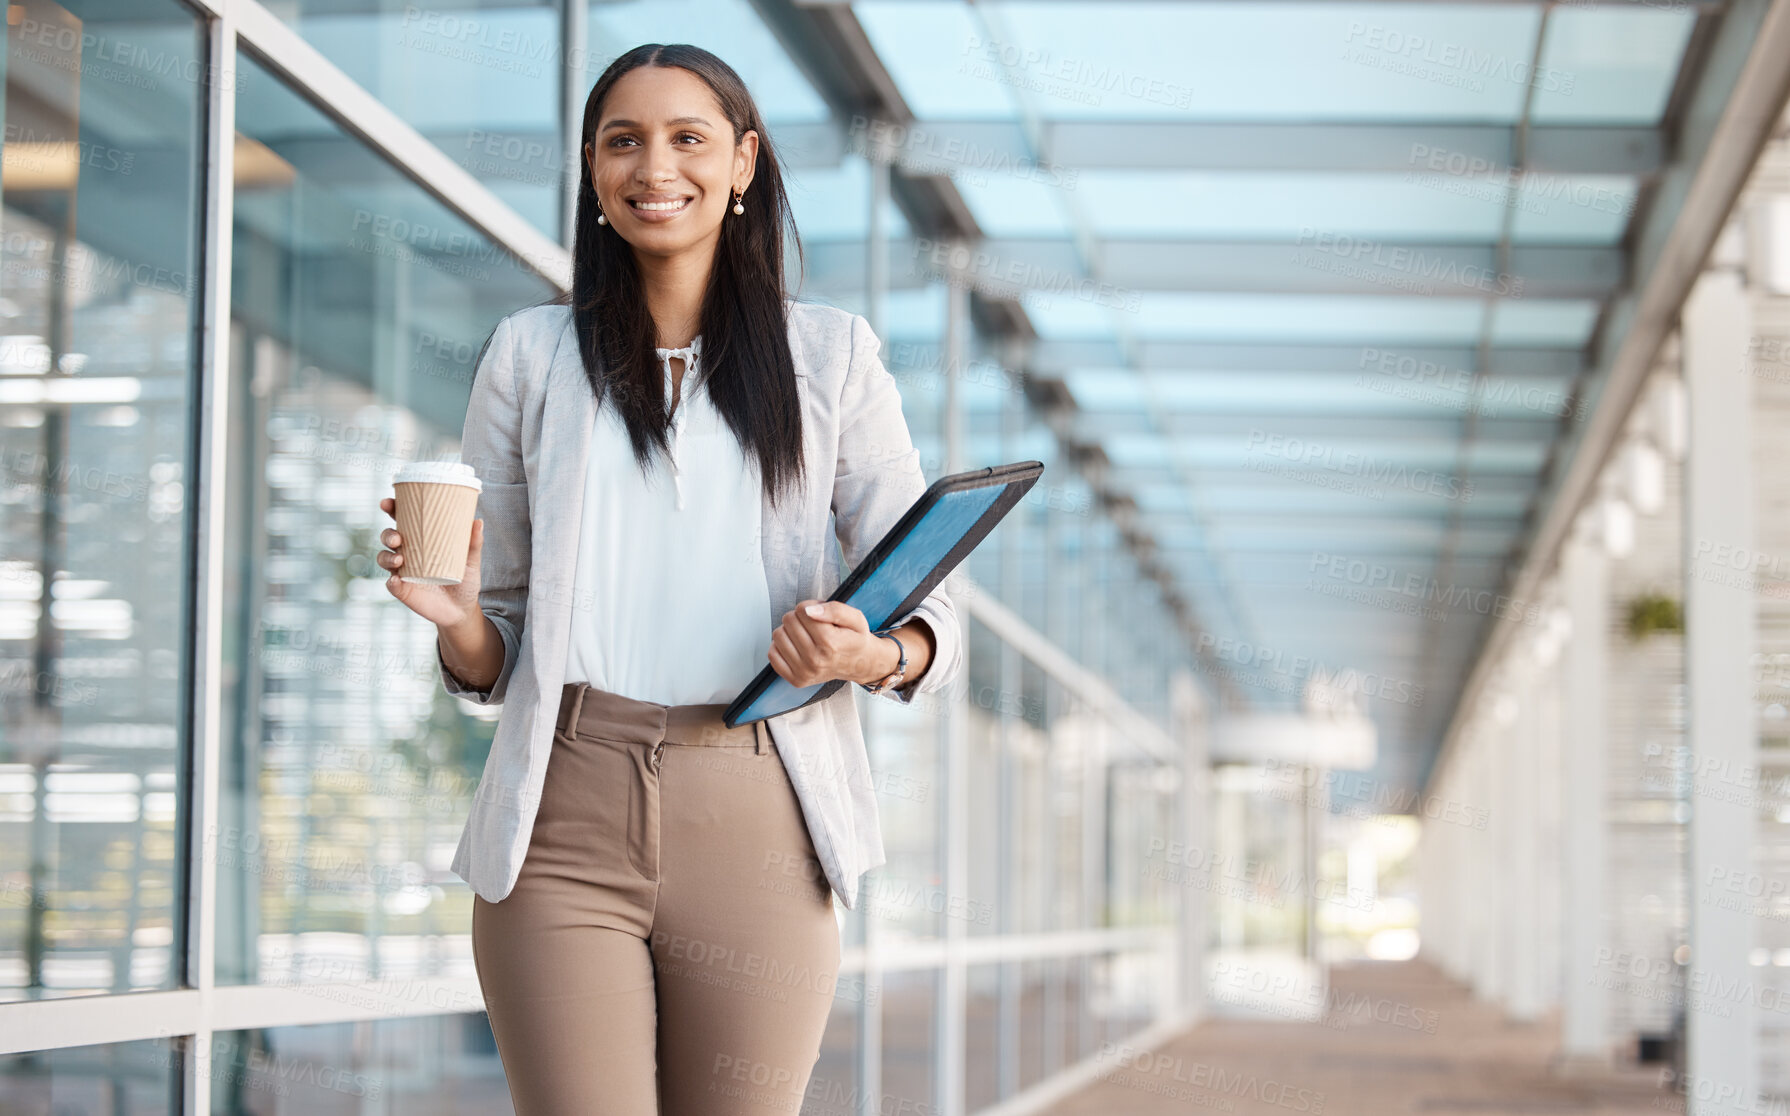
x: 895, y: 676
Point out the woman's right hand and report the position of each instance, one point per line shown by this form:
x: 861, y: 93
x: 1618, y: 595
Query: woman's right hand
x: 447, y: 606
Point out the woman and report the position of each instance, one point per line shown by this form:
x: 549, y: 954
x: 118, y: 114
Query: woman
x: 660, y: 451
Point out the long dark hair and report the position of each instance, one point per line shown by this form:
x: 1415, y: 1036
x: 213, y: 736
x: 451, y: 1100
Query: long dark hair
x: 746, y: 364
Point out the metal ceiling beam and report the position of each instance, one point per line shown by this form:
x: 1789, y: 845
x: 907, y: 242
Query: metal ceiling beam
x: 1413, y: 364
x: 1343, y: 426
x: 1429, y: 3
x: 1448, y: 155
x: 1311, y: 262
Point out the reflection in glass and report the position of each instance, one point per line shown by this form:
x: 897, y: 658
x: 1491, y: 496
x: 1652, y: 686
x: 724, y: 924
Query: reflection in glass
x: 910, y: 1040
x: 127, y: 1078
x: 833, y: 1086
x: 98, y: 299
x: 360, y: 306
x: 424, y: 1066
x: 480, y: 79
x: 903, y: 746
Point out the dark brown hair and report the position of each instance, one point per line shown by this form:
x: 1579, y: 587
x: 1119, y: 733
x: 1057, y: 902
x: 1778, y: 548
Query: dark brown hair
x: 746, y: 364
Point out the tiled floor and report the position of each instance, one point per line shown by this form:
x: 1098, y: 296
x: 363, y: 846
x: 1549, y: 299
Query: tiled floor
x: 1401, y: 1038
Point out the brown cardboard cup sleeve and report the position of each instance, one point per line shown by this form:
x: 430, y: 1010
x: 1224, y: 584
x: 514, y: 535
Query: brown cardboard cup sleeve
x: 436, y: 503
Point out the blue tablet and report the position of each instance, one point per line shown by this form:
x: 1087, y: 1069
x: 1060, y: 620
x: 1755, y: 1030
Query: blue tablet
x: 948, y: 521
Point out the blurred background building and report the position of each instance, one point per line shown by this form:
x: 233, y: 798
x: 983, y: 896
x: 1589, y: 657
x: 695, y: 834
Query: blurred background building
x: 1378, y: 706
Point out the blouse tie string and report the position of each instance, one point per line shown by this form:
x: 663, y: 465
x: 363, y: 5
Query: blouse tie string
x: 692, y: 355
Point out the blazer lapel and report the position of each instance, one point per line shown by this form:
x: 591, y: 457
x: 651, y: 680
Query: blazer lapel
x: 567, y: 422
x: 784, y: 534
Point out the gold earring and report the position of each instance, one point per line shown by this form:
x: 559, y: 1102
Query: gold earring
x: 737, y: 207
x: 601, y: 220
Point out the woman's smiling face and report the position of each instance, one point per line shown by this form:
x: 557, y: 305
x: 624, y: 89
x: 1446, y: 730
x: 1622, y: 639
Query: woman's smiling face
x: 664, y: 163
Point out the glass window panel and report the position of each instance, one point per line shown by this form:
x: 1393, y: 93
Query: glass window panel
x: 1611, y: 65
x: 122, y: 1078
x: 478, y: 78
x: 402, y: 1067
x: 360, y: 305
x: 99, y: 297
x: 1034, y: 1006
x: 910, y: 1045
x: 833, y: 1088
x: 982, y: 1027
x: 979, y: 907
x: 903, y: 746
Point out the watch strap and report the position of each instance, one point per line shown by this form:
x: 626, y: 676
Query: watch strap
x: 894, y: 677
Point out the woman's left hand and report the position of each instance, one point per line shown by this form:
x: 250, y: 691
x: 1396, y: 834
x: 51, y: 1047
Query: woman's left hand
x: 819, y: 641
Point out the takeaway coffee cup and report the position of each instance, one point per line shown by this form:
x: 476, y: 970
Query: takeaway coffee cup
x: 436, y: 502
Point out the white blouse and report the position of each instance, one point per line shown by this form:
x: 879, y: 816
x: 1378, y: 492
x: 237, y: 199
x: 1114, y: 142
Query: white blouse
x: 670, y: 602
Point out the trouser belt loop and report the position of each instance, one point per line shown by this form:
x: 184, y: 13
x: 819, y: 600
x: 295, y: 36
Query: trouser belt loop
x: 578, y: 693
x: 761, y: 731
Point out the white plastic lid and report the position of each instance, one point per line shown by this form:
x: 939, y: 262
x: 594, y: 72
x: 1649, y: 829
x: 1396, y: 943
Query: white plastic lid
x: 439, y: 472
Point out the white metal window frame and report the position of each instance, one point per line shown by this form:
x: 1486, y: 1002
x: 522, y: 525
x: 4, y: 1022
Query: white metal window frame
x: 205, y: 1008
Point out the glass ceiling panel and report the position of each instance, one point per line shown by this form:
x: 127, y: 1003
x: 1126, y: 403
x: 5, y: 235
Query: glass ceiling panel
x: 914, y: 313
x: 1543, y: 321
x: 1570, y: 209
x: 1583, y: 209
x: 730, y: 28
x: 1342, y: 456
x: 1295, y: 318
x: 1327, y: 393
x: 833, y: 203
x: 1611, y: 65
x: 1006, y: 205
x: 926, y: 46
x: 1311, y: 61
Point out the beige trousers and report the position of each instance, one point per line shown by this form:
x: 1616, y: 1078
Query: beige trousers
x: 670, y: 947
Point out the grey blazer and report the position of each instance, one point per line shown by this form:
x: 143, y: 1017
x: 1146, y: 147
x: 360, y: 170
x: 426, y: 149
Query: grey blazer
x: 528, y: 430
